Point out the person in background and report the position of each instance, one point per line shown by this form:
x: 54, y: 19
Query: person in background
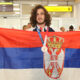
x: 71, y: 28
x: 79, y: 28
x: 40, y: 19
x: 24, y: 27
x: 28, y: 27
x: 62, y: 29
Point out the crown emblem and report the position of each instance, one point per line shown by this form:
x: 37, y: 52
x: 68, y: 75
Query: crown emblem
x: 55, y: 42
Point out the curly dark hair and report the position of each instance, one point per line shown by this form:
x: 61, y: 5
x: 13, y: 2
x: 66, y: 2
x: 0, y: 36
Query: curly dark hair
x: 34, y: 13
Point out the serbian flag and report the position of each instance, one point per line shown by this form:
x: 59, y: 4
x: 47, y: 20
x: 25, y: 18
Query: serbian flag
x: 21, y: 57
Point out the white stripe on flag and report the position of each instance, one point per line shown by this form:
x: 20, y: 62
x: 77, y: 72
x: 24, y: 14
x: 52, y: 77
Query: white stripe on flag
x: 37, y: 74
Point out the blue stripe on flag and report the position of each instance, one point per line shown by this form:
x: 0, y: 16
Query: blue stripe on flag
x: 72, y: 58
x: 22, y: 58
x: 19, y: 58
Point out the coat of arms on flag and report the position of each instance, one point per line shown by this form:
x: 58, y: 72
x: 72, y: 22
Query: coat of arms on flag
x: 54, y: 57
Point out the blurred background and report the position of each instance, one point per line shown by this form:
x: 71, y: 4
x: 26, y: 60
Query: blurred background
x: 16, y: 13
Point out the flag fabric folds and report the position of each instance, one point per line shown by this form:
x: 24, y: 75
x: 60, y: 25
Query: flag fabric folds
x: 21, y: 57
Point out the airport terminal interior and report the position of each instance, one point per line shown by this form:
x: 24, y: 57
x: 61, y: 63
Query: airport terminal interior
x: 17, y: 14
x: 52, y: 52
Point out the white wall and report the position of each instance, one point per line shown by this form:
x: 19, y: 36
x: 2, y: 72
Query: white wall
x: 65, y: 22
x: 18, y: 22
x: 78, y: 14
x: 10, y: 22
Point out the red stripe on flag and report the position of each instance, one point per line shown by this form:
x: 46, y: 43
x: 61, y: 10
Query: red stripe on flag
x: 19, y: 38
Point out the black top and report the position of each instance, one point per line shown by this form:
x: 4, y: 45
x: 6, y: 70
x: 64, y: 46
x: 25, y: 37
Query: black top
x: 49, y: 29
